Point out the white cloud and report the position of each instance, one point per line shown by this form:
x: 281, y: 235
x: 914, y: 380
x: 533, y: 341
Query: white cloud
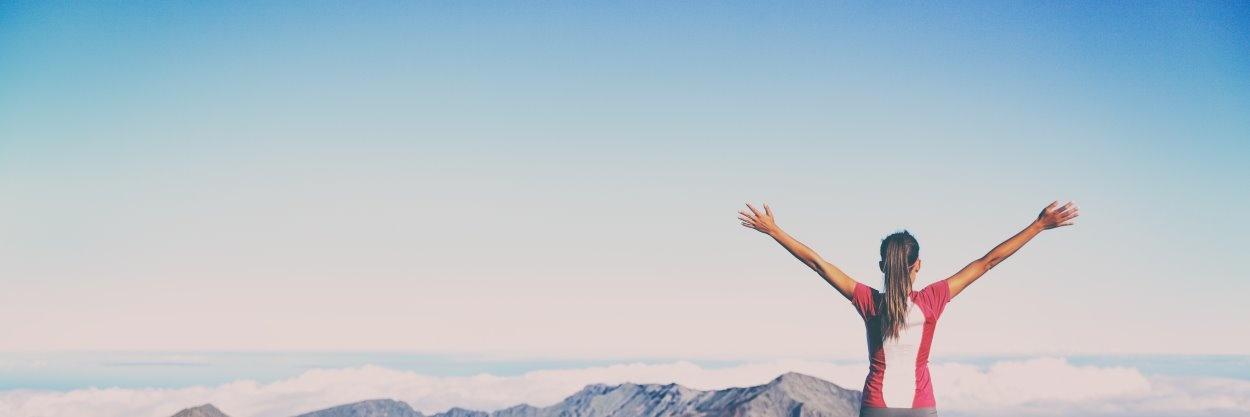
x: 1042, y: 386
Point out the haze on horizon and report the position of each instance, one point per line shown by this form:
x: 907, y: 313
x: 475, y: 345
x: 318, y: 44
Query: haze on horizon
x: 561, y: 180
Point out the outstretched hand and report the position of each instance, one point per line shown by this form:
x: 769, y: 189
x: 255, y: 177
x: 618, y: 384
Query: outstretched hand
x: 763, y: 222
x: 1052, y: 217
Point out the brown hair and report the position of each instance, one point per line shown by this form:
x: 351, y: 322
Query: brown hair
x: 898, y: 252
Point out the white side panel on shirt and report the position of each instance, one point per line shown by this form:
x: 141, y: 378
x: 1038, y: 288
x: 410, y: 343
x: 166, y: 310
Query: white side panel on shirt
x: 898, y: 385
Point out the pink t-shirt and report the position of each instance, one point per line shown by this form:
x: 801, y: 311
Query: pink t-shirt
x: 898, y: 371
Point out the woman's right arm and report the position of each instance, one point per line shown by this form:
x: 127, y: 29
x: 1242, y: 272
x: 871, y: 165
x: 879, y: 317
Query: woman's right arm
x: 764, y: 223
x: 1049, y: 218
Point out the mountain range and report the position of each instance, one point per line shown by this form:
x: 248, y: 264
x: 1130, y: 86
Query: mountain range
x: 788, y: 395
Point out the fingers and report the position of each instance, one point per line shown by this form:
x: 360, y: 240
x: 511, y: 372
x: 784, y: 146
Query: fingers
x: 1066, y: 210
x: 752, y: 220
x: 753, y: 210
x: 1064, y: 215
x: 1050, y: 206
x: 747, y: 219
x: 1073, y: 212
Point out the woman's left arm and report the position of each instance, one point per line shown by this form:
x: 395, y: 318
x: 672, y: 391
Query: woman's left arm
x: 1050, y: 218
x: 764, y: 223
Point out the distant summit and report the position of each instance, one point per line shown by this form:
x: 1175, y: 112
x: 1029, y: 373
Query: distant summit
x: 461, y: 412
x: 369, y: 408
x: 206, y: 410
x: 789, y: 395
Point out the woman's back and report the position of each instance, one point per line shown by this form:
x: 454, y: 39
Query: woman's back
x: 898, y: 372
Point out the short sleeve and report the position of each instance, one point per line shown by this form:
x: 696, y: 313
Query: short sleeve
x: 933, y: 298
x: 865, y: 300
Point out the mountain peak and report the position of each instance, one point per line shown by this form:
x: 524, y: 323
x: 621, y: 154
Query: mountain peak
x: 795, y: 378
x: 519, y: 410
x: 206, y: 410
x: 811, y: 393
x: 369, y: 408
x: 462, y: 412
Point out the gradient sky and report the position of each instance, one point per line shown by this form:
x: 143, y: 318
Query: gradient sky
x: 562, y: 179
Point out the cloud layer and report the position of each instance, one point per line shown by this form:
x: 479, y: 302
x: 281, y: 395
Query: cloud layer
x: 1040, y: 386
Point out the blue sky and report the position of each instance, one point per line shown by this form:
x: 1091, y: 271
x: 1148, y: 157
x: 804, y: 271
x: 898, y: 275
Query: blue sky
x: 561, y: 179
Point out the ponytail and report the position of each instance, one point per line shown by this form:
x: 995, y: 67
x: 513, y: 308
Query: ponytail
x: 898, y: 252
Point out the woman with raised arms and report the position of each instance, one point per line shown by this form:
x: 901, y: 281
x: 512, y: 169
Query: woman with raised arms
x: 900, y: 322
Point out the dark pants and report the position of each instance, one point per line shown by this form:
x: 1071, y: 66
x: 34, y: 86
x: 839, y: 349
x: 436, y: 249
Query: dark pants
x: 897, y: 412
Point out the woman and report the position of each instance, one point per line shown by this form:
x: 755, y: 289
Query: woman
x: 900, y: 322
